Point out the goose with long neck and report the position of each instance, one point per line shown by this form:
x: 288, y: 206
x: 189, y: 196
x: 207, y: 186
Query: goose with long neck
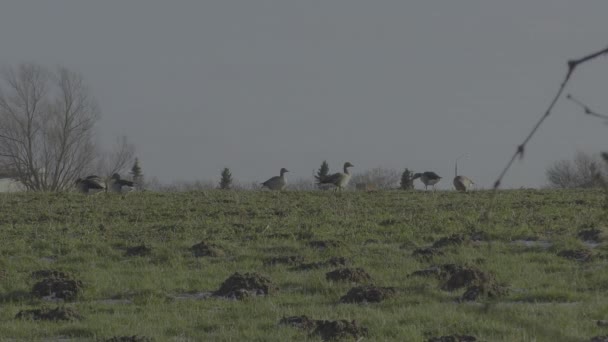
x: 117, y: 184
x: 276, y: 182
x: 339, y: 180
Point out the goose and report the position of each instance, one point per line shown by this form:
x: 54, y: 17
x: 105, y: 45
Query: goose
x: 428, y: 178
x: 276, y: 182
x: 340, y: 179
x: 461, y: 183
x: 90, y: 182
x: 116, y: 184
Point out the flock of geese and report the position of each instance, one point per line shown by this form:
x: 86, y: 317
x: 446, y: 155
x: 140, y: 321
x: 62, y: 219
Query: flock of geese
x: 338, y: 180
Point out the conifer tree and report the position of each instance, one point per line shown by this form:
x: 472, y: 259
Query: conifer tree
x: 323, y: 172
x: 226, y: 181
x: 407, y: 183
x: 138, y: 176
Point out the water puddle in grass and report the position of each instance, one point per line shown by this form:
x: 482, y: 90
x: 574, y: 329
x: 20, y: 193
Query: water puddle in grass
x: 522, y: 302
x: 533, y: 243
x: 193, y: 296
x: 591, y: 244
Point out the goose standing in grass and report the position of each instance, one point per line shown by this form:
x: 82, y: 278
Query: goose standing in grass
x: 339, y: 180
x: 89, y: 183
x: 428, y: 178
x: 461, y: 183
x: 276, y: 182
x: 117, y: 184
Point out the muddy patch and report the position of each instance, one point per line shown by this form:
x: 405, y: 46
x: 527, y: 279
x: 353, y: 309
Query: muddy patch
x: 193, y: 296
x: 356, y: 275
x: 204, y: 249
x: 533, y: 243
x: 453, y: 338
x: 426, y: 253
x: 55, y: 285
x: 368, y: 294
x: 300, y: 322
x: 599, y: 339
x: 141, y: 250
x: 240, y: 286
x: 284, y: 260
x: 331, y: 262
x: 581, y: 255
x: 592, y: 234
x: 325, y: 244
x: 340, y: 329
x: 47, y: 314
x: 134, y: 338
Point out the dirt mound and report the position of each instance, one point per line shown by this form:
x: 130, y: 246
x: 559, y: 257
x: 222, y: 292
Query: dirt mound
x: 341, y: 329
x: 453, y: 338
x: 204, y: 249
x: 581, y: 255
x: 57, y: 314
x: 134, y: 338
x: 426, y: 253
x: 284, y: 260
x: 141, y: 250
x: 324, y: 244
x: 300, y: 322
x: 240, y: 286
x: 357, y: 275
x: 55, y: 284
x: 591, y: 234
x: 478, y: 283
x: 331, y: 262
x: 454, y: 239
x: 368, y: 293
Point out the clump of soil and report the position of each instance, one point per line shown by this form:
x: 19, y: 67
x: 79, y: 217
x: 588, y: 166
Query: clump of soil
x: 454, y: 239
x: 300, y: 322
x: 56, y: 284
x: 581, y: 255
x: 284, y: 260
x: 336, y: 330
x: 357, y: 275
x: 454, y: 277
x: 368, y: 294
x: 331, y: 262
x: 599, y: 339
x: 204, y: 249
x: 240, y: 286
x: 426, y: 253
x: 453, y: 338
x: 141, y: 250
x: 134, y: 338
x: 591, y: 234
x: 324, y: 244
x: 57, y: 314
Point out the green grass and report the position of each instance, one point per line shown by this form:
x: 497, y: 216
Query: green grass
x: 550, y: 298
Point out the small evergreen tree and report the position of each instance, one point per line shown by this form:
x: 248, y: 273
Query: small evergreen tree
x: 407, y: 183
x: 226, y: 181
x: 323, y: 172
x: 138, y: 176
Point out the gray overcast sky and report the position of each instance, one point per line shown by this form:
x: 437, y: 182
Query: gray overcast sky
x: 257, y: 85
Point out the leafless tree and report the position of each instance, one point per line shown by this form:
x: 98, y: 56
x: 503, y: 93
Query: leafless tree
x: 584, y: 171
x: 379, y: 178
x: 47, y: 120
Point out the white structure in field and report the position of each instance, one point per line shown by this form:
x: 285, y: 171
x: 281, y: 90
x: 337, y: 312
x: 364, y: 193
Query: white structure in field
x: 9, y: 184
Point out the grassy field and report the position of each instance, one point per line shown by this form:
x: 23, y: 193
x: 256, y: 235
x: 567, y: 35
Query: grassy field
x: 547, y: 297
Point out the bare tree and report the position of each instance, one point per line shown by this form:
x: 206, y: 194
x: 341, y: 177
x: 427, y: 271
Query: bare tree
x: 379, y: 178
x: 47, y: 126
x: 584, y: 171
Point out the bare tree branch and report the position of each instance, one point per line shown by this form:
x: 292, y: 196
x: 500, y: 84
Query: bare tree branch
x: 587, y: 110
